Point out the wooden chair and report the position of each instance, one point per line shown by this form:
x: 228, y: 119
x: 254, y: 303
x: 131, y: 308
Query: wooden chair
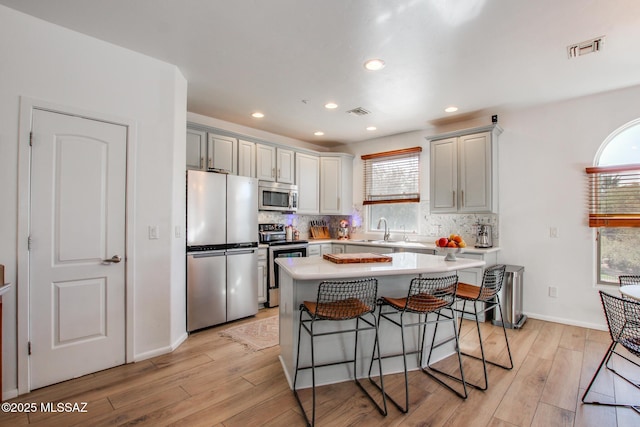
x: 338, y: 301
x: 623, y: 320
x: 426, y: 296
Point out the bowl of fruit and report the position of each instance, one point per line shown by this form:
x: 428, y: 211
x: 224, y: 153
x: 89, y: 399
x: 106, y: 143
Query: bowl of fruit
x: 450, y: 246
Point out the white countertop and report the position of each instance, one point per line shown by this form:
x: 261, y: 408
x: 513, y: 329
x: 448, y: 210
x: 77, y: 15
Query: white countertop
x: 317, y: 268
x: 400, y: 244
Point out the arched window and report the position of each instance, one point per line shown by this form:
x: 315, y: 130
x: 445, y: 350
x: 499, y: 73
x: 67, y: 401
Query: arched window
x: 615, y: 203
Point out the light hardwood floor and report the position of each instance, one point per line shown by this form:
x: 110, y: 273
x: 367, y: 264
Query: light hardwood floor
x: 213, y: 381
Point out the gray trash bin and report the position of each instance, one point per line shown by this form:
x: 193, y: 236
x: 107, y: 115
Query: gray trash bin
x: 511, y: 299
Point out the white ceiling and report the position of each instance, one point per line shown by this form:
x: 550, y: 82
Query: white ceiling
x: 483, y: 56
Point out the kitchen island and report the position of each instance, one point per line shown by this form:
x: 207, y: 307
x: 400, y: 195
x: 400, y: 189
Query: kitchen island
x: 299, y: 280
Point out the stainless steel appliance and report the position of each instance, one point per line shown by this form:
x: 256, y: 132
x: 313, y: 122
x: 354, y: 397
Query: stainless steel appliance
x: 274, y: 196
x: 222, y: 248
x: 275, y: 236
x: 483, y: 236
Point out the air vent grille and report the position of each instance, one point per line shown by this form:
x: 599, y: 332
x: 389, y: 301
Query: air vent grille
x: 358, y: 111
x: 583, y: 48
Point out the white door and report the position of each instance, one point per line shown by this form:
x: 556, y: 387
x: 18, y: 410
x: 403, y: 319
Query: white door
x: 77, y: 231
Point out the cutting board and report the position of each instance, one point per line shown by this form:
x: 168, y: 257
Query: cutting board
x: 357, y: 258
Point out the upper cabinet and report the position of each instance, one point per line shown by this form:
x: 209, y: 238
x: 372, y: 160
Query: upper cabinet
x: 196, y: 149
x: 222, y: 153
x: 336, y: 182
x: 274, y: 164
x: 208, y: 151
x: 464, y: 171
x: 246, y: 158
x: 308, y: 181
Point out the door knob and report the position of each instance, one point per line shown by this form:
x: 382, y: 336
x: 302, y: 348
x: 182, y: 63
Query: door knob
x: 114, y: 259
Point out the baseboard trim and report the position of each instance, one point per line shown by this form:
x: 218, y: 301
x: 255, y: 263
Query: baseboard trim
x: 596, y: 326
x: 162, y: 350
x: 9, y: 394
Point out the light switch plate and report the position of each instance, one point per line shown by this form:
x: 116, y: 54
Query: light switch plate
x: 154, y: 232
x: 553, y: 232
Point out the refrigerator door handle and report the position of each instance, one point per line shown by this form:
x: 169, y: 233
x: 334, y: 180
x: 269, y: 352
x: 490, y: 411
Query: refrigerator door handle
x: 207, y: 254
x: 241, y: 252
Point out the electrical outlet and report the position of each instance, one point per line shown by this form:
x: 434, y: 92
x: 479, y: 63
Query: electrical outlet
x: 553, y: 292
x: 553, y: 232
x: 178, y: 231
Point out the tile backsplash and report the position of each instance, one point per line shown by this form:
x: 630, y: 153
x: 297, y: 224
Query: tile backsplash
x: 431, y: 225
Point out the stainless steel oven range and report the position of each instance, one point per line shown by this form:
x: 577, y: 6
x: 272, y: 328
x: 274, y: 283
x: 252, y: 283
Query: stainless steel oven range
x: 275, y: 236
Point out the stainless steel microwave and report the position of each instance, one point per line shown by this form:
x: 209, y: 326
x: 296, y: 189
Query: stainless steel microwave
x: 274, y: 196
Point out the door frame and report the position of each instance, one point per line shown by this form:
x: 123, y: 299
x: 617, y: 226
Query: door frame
x: 27, y: 106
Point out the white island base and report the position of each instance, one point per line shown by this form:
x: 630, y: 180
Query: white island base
x: 299, y: 279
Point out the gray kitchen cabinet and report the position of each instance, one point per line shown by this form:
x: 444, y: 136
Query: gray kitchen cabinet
x: 464, y: 171
x: 337, y: 248
x: 262, y: 276
x: 336, y: 184
x: 274, y: 164
x: 314, y: 250
x: 246, y: 158
x: 308, y: 181
x: 354, y: 249
x: 222, y: 153
x: 196, y: 149
x: 326, y: 248
x: 473, y: 276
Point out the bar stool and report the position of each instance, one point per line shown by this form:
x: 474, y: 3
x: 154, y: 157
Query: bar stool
x: 629, y: 280
x: 425, y: 296
x: 336, y: 301
x: 622, y: 320
x: 487, y: 294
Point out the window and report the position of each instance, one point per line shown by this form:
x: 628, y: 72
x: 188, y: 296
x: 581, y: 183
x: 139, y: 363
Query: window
x: 614, y: 204
x: 392, y: 188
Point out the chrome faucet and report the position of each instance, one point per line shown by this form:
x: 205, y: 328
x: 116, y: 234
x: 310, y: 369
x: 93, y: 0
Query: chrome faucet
x: 386, y: 228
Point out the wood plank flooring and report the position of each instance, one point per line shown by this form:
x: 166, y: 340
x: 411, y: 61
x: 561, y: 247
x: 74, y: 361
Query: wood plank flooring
x: 212, y: 381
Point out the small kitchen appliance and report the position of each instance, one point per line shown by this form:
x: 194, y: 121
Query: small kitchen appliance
x: 483, y: 236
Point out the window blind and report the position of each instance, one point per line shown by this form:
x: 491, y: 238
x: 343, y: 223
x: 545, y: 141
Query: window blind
x: 614, y: 196
x: 392, y: 176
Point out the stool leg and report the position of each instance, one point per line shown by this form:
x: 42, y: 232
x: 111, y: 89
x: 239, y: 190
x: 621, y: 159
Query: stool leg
x: 454, y: 322
x: 506, y: 340
x: 313, y: 379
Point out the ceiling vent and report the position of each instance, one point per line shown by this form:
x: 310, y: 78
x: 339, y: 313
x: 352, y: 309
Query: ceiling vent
x: 583, y: 48
x: 358, y: 111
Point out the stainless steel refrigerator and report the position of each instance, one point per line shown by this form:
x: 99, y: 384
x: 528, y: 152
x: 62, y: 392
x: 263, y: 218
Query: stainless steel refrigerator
x: 222, y: 248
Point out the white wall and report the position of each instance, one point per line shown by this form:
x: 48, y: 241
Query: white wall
x: 542, y: 155
x: 50, y: 63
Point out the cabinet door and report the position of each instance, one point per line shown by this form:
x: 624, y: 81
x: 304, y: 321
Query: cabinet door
x: 222, y: 153
x: 285, y: 166
x: 444, y: 175
x: 337, y: 249
x: 313, y: 251
x: 325, y: 248
x: 196, y: 149
x: 330, y: 185
x: 474, y: 152
x: 308, y: 181
x: 265, y: 162
x: 246, y: 158
x: 355, y: 249
x: 262, y: 276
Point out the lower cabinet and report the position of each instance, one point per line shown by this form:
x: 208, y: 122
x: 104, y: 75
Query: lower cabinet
x: 355, y: 249
x: 313, y: 250
x: 337, y: 249
x: 262, y: 276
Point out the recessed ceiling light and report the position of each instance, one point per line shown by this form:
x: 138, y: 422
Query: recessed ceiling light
x: 372, y: 128
x: 330, y: 105
x: 318, y: 133
x: 374, y: 64
x: 257, y: 115
x: 451, y: 109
